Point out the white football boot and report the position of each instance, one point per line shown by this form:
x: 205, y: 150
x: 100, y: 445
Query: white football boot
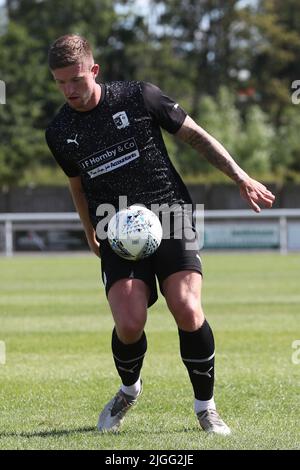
x: 112, y: 415
x: 211, y: 422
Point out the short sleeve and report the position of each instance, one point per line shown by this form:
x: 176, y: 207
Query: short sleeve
x: 67, y: 165
x: 162, y: 108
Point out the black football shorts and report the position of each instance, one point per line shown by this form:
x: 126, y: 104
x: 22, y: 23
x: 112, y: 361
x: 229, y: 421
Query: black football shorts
x: 173, y: 255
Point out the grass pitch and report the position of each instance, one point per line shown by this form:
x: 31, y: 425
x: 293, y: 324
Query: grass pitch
x: 59, y: 372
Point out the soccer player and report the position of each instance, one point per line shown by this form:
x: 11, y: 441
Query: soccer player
x: 107, y: 139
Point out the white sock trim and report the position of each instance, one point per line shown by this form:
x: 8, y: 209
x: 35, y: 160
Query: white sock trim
x: 202, y: 405
x: 132, y: 390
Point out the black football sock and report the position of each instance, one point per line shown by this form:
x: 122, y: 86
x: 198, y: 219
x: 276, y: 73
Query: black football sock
x: 197, y: 350
x: 128, y: 358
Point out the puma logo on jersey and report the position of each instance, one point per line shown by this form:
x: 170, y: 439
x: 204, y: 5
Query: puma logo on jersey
x: 121, y: 120
x: 73, y: 141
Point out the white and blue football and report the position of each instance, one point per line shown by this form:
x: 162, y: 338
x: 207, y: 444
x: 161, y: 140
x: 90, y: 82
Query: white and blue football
x: 134, y: 233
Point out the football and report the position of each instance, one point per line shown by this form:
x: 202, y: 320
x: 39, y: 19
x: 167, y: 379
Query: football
x: 134, y: 233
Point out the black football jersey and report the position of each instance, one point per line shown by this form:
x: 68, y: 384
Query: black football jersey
x: 117, y: 147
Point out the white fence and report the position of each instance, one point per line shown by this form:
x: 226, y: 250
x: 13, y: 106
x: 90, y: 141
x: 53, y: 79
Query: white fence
x: 244, y: 229
x: 277, y: 229
x: 10, y: 223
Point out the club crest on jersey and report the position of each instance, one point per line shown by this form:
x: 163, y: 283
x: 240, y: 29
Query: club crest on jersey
x: 121, y: 120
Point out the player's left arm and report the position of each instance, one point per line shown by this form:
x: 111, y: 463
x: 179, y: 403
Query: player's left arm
x: 252, y: 191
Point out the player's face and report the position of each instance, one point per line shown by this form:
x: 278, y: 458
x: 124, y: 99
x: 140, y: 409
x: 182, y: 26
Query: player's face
x: 77, y: 83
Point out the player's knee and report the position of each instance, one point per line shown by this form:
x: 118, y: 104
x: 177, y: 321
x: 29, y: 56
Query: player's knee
x: 130, y: 333
x: 130, y: 326
x: 188, y: 314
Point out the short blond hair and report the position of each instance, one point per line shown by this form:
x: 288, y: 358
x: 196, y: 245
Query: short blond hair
x: 67, y: 50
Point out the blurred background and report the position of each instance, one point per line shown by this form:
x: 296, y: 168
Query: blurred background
x: 233, y: 65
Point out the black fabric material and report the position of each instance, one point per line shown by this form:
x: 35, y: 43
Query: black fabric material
x: 128, y: 358
x: 117, y: 148
x: 172, y: 256
x: 196, y: 348
x: 168, y: 114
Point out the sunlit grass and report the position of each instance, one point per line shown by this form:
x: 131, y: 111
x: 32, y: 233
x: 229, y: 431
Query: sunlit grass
x: 59, y: 371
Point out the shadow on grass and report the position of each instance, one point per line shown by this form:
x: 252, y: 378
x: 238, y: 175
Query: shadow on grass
x: 68, y: 432
x: 51, y: 433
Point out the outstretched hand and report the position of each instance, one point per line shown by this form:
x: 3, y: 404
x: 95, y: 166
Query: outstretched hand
x: 256, y: 194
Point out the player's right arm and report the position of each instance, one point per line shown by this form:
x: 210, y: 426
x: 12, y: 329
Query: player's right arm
x: 81, y: 206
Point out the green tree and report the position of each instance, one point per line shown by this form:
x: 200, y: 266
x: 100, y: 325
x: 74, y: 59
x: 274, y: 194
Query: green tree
x: 198, y: 51
x: 32, y: 99
x: 205, y: 36
x: 21, y: 138
x: 220, y: 117
x: 249, y: 139
x: 256, y: 143
x: 275, y: 47
x: 286, y: 154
